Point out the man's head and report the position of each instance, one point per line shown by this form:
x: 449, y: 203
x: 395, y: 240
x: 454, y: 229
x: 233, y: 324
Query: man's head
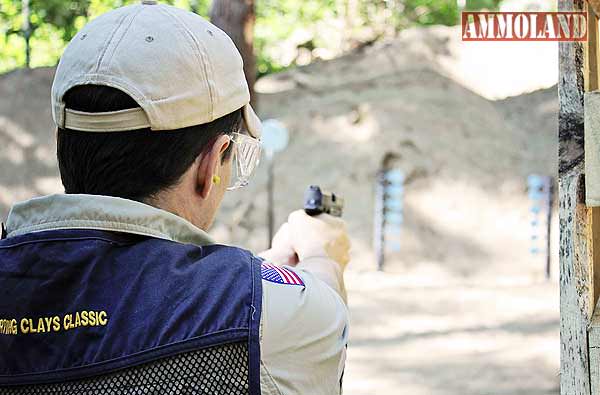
x: 158, y: 168
x: 149, y: 100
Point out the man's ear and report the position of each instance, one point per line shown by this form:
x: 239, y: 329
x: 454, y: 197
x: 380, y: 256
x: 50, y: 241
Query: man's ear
x: 210, y: 163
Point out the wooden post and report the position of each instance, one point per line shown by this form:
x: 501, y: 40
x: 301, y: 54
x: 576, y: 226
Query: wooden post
x: 575, y: 280
x: 574, y: 287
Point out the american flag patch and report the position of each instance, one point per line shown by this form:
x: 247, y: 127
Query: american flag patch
x: 280, y: 275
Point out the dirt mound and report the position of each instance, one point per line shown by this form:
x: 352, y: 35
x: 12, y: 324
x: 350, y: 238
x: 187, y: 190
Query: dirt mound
x: 27, y: 144
x: 465, y: 157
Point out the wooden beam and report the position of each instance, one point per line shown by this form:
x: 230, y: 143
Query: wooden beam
x: 591, y: 83
x: 591, y: 77
x: 574, y: 288
x: 593, y: 244
x: 575, y: 280
x: 594, y: 342
x: 590, y: 71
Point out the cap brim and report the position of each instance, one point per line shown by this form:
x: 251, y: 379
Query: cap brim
x: 252, y: 121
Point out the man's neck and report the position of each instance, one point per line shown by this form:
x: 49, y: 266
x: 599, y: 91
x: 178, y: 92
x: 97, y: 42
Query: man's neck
x: 174, y: 203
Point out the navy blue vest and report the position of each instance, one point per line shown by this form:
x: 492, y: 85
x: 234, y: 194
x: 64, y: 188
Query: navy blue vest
x: 79, y: 303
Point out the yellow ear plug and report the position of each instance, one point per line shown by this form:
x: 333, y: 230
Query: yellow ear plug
x: 216, y: 180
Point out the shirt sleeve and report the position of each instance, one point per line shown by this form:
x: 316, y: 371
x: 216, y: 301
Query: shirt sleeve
x: 304, y: 332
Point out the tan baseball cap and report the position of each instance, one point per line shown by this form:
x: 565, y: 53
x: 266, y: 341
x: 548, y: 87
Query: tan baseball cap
x: 181, y: 69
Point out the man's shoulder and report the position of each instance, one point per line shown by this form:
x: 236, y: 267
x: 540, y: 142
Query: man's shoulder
x: 125, y: 252
x: 295, y: 297
x: 302, y: 322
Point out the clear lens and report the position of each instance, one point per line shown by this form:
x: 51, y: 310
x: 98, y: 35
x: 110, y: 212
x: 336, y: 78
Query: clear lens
x: 246, y: 156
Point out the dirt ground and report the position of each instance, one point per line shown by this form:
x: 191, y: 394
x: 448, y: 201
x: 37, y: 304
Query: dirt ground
x: 451, y: 339
x: 463, y: 308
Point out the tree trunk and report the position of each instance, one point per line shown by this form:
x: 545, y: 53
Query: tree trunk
x: 194, y: 6
x: 236, y: 18
x: 27, y: 31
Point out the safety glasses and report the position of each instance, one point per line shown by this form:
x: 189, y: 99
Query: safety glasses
x: 246, y: 156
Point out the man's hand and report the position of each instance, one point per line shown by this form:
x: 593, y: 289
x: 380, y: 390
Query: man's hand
x: 281, y: 251
x: 319, y: 245
x: 319, y: 236
x: 304, y: 237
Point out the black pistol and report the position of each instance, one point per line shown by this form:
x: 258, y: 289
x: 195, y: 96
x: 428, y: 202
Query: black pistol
x: 317, y: 202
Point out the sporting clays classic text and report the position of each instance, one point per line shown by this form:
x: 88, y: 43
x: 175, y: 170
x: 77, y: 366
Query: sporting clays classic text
x: 524, y: 26
x: 56, y: 323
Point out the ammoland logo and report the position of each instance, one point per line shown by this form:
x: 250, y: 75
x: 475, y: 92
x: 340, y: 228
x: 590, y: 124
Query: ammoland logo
x: 524, y: 26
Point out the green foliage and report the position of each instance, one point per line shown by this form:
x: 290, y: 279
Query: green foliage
x: 12, y: 52
x: 337, y: 25
x: 408, y: 13
x: 53, y: 24
x: 278, y: 20
x: 491, y: 5
x: 58, y: 13
x: 285, y: 29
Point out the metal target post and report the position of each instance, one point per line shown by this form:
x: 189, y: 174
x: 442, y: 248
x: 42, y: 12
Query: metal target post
x: 534, y: 186
x: 274, y: 139
x: 379, y: 222
x: 270, y: 197
x: 389, y: 213
x: 540, y: 192
x: 549, y: 195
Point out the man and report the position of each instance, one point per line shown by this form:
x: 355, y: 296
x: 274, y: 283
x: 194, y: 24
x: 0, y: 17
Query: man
x: 154, y: 125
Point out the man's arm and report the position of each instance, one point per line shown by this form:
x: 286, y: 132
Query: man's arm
x: 304, y: 336
x: 318, y: 245
x: 305, y: 327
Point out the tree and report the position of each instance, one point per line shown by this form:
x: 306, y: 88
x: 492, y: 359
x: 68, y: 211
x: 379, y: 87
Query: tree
x: 35, y: 21
x: 237, y: 18
x: 27, y: 32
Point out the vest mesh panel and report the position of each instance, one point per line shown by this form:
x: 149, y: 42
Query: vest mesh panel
x: 217, y: 370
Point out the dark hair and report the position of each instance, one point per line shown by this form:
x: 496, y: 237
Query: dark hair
x: 134, y: 164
